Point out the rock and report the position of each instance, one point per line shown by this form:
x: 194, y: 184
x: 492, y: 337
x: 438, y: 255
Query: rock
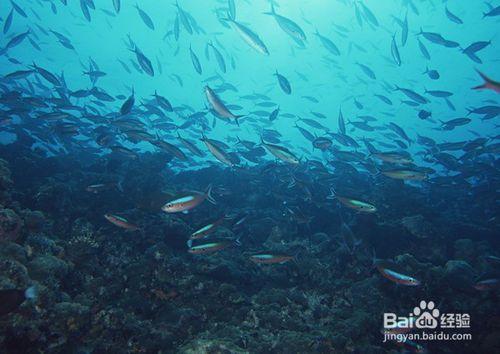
x: 10, y: 225
x: 33, y: 220
x: 459, y: 274
x: 208, y: 346
x: 418, y: 226
x: 47, y: 266
x: 13, y: 251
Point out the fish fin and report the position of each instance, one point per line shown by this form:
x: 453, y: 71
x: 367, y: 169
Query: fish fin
x: 185, y: 211
x: 486, y: 84
x: 31, y: 292
x: 210, y: 198
x: 189, y: 243
x: 332, y: 195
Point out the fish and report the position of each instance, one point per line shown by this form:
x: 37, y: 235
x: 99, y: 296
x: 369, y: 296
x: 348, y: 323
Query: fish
x: 218, y: 57
x: 452, y: 17
x: 11, y: 299
x: 393, y: 157
x: 206, y: 230
x: 188, y: 201
x: 99, y: 187
x: 145, y: 17
x: 270, y: 258
x: 405, y: 174
x: 126, y: 107
x: 352, y: 203
x: 287, y: 25
x: 493, y: 12
x: 412, y: 95
x: 251, y: 38
x: 218, y: 152
x: 395, y: 51
x: 489, y: 84
x: 210, y: 247
x: 274, y: 114
x: 396, y: 277
x: 218, y: 106
x: 487, y: 284
x: 190, y: 146
x: 117, y: 6
x: 195, y: 61
x: 322, y: 143
x: 423, y: 50
x: 284, y: 83
x: 144, y: 62
x: 433, y: 74
x: 328, y: 44
x: 280, y: 152
x: 121, y: 222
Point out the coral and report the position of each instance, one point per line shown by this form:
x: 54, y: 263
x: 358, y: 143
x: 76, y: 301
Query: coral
x: 207, y: 346
x: 43, y: 267
x: 10, y: 225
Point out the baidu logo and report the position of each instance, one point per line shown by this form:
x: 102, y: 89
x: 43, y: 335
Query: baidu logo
x: 426, y: 315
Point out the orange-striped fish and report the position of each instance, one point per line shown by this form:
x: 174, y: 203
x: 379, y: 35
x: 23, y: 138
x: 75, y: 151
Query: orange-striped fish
x: 355, y: 204
x: 206, y: 230
x: 121, y: 222
x: 395, y: 276
x: 270, y: 258
x: 188, y: 202
x: 209, y: 247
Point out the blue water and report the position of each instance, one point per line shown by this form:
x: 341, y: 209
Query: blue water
x: 373, y: 75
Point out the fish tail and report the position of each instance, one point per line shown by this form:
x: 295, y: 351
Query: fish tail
x: 332, y: 194
x: 487, y: 81
x: 208, y: 193
x: 31, y: 292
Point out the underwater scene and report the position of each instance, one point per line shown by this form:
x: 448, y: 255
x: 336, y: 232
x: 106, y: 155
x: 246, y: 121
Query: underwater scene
x: 249, y: 176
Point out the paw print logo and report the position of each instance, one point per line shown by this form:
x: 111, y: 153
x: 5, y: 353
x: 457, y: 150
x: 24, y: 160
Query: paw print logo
x: 426, y: 315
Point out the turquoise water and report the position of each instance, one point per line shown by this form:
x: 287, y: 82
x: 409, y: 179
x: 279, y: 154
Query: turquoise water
x: 235, y: 176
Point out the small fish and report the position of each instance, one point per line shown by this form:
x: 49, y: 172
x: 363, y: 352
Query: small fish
x: 396, y: 277
x: 270, y: 258
x: 145, y: 17
x: 127, y: 105
x: 433, y: 74
x: 488, y: 284
x: 423, y: 114
x: 195, y: 61
x: 11, y: 299
x: 281, y: 153
x: 452, y: 17
x: 219, y: 106
x: 410, y: 175
x: 355, y: 204
x: 322, y: 143
x: 217, y: 151
x: 121, y: 222
x: 393, y: 157
x: 249, y: 37
x: 395, y: 52
x: 284, y: 83
x: 209, y: 247
x: 189, y: 201
x: 288, y: 26
x: 206, y: 230
x: 99, y: 187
